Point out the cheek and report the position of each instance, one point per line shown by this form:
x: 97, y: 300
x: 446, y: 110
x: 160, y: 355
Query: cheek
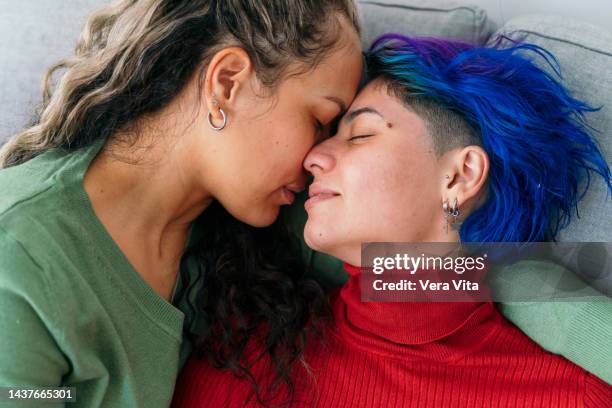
x: 277, y: 154
x: 392, y: 199
x: 377, y: 186
x: 289, y: 137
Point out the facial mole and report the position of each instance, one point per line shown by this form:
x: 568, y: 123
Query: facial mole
x: 389, y: 125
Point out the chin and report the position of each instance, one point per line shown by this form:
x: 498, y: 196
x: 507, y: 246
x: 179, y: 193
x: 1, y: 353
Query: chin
x: 316, y: 238
x: 255, y: 216
x: 259, y: 217
x: 325, y: 243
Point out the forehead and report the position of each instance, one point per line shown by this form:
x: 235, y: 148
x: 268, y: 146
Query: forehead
x: 374, y: 92
x: 338, y: 74
x: 375, y: 95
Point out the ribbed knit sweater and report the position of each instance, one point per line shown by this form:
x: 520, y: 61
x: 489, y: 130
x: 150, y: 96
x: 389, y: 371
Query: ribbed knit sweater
x: 379, y: 354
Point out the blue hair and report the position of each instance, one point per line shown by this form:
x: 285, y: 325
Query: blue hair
x: 532, y: 129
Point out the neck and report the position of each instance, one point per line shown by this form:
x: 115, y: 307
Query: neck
x: 151, y: 196
x: 147, y: 198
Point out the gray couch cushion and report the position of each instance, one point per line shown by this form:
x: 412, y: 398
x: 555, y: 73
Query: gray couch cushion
x: 34, y: 35
x: 435, y: 18
x: 585, y: 55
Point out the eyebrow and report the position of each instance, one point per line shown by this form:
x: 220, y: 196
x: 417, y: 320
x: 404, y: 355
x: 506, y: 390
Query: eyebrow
x: 349, y: 117
x: 339, y: 102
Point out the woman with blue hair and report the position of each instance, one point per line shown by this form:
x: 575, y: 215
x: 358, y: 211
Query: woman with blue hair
x: 447, y: 143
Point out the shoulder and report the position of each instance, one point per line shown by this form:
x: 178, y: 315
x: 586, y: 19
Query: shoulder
x: 37, y: 206
x: 32, y: 230
x: 597, y: 393
x: 30, y: 322
x: 20, y: 274
x: 26, y: 179
x: 579, y: 329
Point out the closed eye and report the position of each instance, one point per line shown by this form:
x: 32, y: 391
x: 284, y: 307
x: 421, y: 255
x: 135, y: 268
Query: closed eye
x: 359, y: 137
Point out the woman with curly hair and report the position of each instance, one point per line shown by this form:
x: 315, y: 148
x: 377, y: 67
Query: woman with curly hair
x: 167, y: 109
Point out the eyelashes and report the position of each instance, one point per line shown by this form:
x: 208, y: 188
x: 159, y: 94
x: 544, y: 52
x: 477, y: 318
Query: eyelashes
x: 358, y: 137
x: 332, y: 128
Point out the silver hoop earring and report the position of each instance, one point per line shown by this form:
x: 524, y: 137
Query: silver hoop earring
x: 455, y: 214
x: 212, y: 126
x: 455, y: 210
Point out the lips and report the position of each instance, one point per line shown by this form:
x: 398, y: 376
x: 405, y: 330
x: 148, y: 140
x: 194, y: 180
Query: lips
x: 289, y: 191
x: 318, y: 193
x: 295, y: 188
x: 288, y: 196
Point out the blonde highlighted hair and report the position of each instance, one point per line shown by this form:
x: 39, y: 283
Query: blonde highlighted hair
x: 134, y: 56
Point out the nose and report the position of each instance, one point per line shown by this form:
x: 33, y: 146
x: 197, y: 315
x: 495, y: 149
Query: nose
x: 319, y: 160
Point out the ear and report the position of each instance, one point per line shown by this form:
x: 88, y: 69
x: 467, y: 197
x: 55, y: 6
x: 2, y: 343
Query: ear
x: 465, y: 173
x: 227, y: 74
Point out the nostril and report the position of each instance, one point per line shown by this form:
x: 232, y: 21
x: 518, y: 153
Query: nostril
x: 315, y: 166
x: 318, y: 161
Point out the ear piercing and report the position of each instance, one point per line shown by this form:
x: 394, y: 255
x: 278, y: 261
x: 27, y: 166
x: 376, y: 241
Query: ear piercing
x: 212, y: 126
x: 451, y: 212
x: 215, y: 103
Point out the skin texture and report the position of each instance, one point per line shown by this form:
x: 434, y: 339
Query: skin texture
x: 146, y: 193
x: 388, y: 180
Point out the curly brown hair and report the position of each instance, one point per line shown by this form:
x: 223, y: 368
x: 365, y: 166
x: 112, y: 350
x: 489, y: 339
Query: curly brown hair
x: 132, y: 58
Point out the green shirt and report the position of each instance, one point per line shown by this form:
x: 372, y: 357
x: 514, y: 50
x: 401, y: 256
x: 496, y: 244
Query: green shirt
x: 74, y: 311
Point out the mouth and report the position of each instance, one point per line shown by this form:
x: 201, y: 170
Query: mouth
x: 288, y: 196
x: 288, y: 192
x: 317, y: 194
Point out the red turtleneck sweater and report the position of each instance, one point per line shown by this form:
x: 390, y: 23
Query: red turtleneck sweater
x: 411, y: 355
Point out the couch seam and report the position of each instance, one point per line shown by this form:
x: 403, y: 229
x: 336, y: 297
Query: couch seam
x: 439, y: 10
x: 558, y: 39
x: 403, y: 6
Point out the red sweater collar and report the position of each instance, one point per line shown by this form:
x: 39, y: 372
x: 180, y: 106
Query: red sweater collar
x: 433, y: 330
